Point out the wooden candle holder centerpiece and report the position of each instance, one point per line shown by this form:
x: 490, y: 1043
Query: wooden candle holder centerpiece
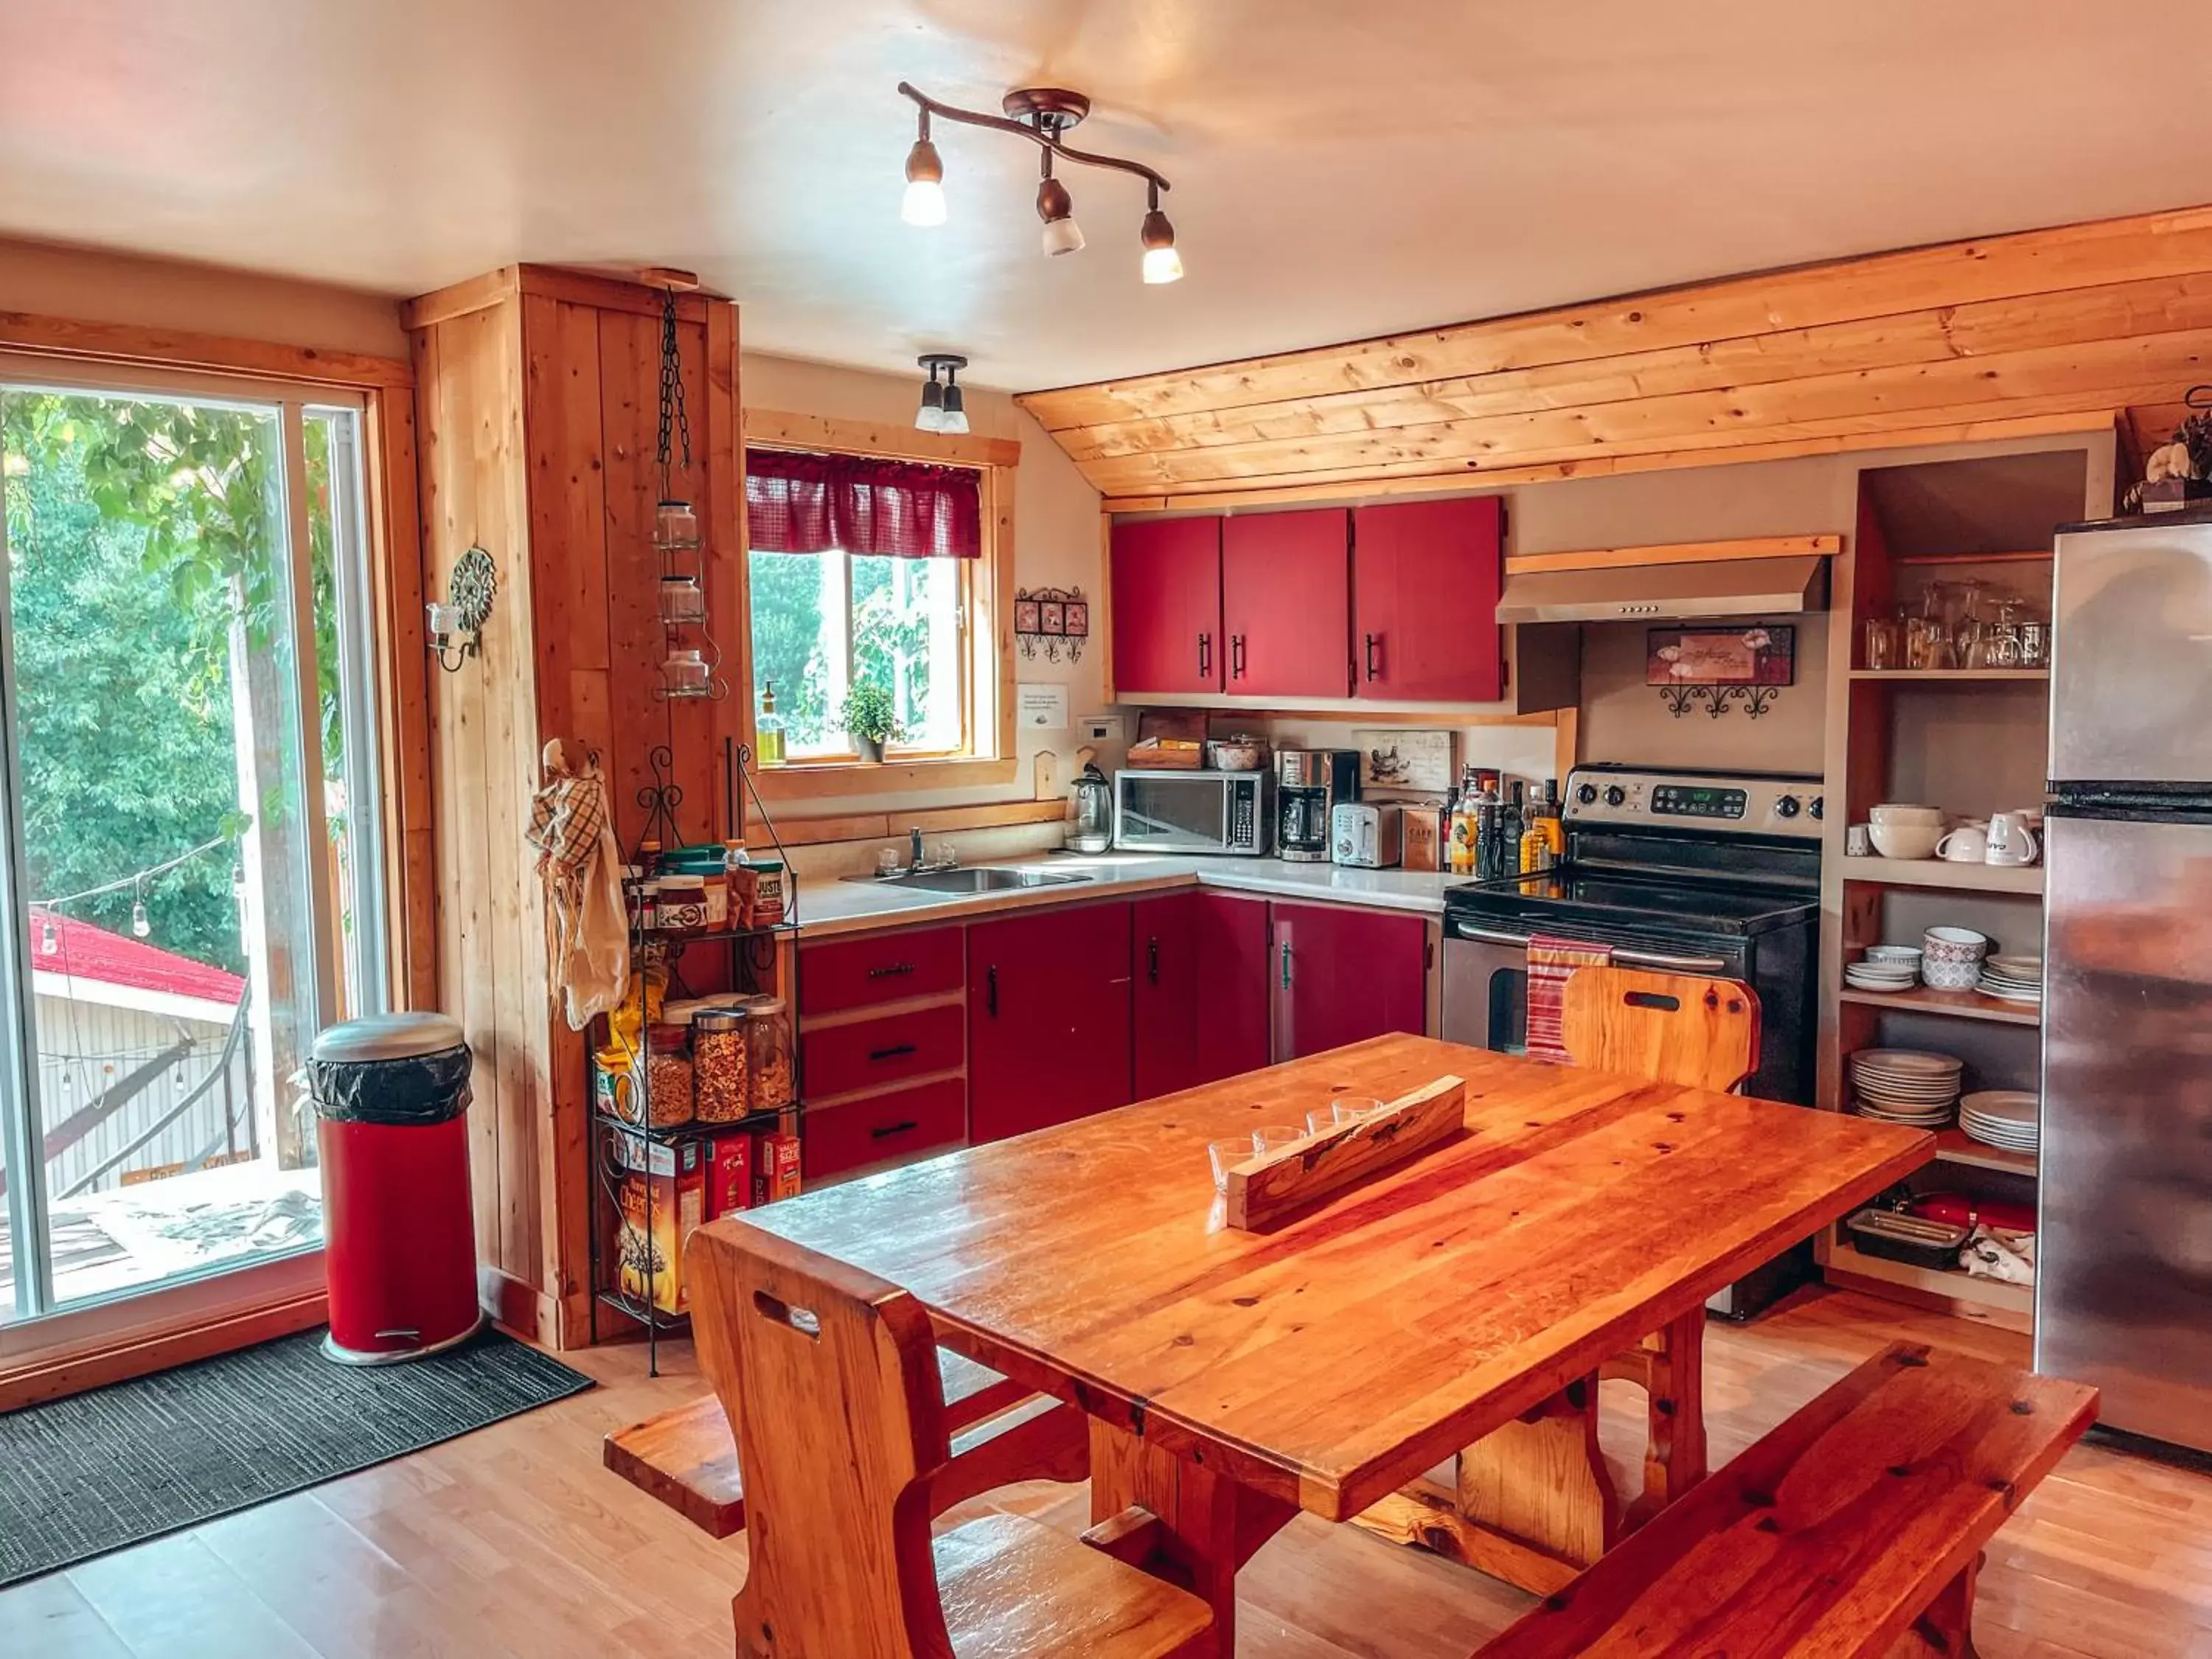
x: 1265, y: 1188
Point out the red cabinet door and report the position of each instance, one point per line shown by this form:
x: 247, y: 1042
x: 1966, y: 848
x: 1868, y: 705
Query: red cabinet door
x: 1165, y: 980
x: 1343, y: 976
x: 1167, y: 605
x: 1047, y: 1018
x: 1286, y: 603
x: 1425, y: 577
x: 1232, y: 999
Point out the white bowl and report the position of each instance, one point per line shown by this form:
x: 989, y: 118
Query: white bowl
x: 1907, y: 840
x: 1894, y: 953
x: 1898, y: 812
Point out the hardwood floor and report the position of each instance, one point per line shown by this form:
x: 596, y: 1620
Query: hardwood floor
x: 515, y: 1540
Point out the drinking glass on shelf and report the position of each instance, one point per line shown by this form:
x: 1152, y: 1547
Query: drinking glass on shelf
x: 1881, y: 642
x: 1274, y: 1137
x: 2034, y: 643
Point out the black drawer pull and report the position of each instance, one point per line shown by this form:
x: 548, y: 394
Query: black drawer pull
x: 891, y: 1129
x: 893, y: 1052
x: 889, y: 970
x: 991, y: 991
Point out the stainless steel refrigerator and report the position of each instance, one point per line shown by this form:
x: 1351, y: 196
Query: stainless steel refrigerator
x: 2124, y: 1289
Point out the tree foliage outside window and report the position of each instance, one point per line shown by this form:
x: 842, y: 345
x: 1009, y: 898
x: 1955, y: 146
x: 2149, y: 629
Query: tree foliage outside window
x: 141, y: 533
x: 903, y: 620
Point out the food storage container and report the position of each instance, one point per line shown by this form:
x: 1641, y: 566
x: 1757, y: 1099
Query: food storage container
x: 682, y: 601
x: 721, y: 1066
x: 1897, y: 1237
x: 683, y: 907
x: 613, y: 1082
x: 674, y: 525
x: 668, y: 1087
x: 1240, y: 753
x: 768, y: 1034
x: 771, y: 892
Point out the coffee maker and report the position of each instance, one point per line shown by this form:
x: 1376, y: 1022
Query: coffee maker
x: 1309, y: 783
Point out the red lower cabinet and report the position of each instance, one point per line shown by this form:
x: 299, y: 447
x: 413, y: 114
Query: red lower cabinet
x: 903, y: 1123
x: 1163, y: 1001
x: 1048, y: 1014
x: 1343, y: 976
x: 1231, y: 1000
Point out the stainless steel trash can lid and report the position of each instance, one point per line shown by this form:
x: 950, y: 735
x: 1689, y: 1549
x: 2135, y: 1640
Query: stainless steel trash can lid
x: 389, y: 1037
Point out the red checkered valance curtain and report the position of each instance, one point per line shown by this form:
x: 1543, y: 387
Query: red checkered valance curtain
x: 799, y: 502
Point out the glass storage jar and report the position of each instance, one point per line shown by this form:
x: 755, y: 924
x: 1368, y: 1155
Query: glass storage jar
x: 674, y: 525
x: 769, y: 1035
x: 721, y: 1068
x: 682, y: 601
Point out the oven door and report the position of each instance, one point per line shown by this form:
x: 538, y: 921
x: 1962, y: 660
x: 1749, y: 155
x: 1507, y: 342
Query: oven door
x: 1485, y: 990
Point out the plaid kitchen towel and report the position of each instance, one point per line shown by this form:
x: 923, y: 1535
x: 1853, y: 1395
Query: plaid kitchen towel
x: 1550, y: 962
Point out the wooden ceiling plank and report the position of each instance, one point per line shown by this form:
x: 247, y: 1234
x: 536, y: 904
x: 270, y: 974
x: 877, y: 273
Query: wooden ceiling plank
x: 1957, y: 273
x: 2096, y: 374
x: 2162, y: 305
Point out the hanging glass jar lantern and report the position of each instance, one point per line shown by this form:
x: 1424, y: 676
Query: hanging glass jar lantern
x: 682, y: 601
x: 686, y: 673
x: 674, y: 525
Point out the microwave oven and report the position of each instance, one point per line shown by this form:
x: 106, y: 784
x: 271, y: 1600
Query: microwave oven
x: 1232, y: 812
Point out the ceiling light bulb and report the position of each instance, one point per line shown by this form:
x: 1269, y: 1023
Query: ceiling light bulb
x: 1057, y: 209
x: 1162, y: 263
x: 954, y: 418
x: 1062, y: 236
x: 50, y: 939
x: 924, y: 203
x: 930, y: 417
x: 141, y: 924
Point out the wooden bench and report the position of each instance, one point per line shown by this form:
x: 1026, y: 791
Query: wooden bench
x: 687, y: 1457
x: 1856, y: 1528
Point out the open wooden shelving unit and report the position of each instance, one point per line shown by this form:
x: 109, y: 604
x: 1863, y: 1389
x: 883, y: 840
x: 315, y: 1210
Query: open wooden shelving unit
x: 1971, y: 742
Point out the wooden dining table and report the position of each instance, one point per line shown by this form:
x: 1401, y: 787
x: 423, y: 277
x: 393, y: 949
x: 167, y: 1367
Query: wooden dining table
x: 1234, y: 1377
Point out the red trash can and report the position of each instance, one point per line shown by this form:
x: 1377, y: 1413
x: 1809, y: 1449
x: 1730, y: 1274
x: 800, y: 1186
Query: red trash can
x: 392, y: 1095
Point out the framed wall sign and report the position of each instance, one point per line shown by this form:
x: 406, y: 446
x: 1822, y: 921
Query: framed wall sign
x: 1712, y: 665
x: 1413, y: 763
x: 1056, y: 619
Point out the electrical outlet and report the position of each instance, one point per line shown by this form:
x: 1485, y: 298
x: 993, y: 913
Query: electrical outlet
x: 1099, y: 729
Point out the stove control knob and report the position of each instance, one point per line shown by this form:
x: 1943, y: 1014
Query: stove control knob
x: 1586, y: 794
x: 1786, y: 807
x: 1819, y: 802
x: 1614, y: 795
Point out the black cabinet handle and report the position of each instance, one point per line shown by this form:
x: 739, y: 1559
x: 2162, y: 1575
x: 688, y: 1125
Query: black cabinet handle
x: 1372, y: 639
x: 1152, y: 960
x: 991, y: 992
x: 1236, y: 656
x: 1205, y: 654
x: 890, y: 970
x: 893, y: 1052
x: 891, y: 1129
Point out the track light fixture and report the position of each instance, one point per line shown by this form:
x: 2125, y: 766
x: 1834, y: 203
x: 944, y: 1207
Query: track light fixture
x: 943, y: 409
x: 1043, y: 115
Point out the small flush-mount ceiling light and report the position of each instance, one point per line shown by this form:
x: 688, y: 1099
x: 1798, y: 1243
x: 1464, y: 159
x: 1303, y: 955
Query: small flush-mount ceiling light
x: 1043, y: 115
x: 1162, y: 263
x: 943, y: 407
x: 924, y: 202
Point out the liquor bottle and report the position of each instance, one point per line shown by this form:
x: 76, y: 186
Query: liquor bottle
x: 768, y: 730
x: 1460, y: 854
x: 1545, y: 842
x: 1489, y: 856
x: 1512, y: 825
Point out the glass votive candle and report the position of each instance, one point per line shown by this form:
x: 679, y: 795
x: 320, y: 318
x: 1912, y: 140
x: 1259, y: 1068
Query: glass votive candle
x: 1226, y: 1154
x: 1274, y: 1136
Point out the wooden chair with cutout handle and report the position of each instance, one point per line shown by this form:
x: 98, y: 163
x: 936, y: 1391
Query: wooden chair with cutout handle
x: 833, y: 1381
x: 1700, y: 1033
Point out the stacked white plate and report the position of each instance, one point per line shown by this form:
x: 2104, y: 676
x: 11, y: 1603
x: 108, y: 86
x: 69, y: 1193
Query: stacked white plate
x: 1882, y: 974
x: 1905, y: 1086
x: 2010, y: 1118
x: 2013, y: 979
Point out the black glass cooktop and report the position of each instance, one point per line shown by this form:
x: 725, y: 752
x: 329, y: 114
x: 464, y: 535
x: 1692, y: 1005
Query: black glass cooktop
x: 1596, y: 897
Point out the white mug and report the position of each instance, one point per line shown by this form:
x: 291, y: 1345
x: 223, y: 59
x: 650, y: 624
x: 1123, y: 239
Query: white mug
x: 1858, y: 841
x: 2010, y: 840
x: 1967, y: 844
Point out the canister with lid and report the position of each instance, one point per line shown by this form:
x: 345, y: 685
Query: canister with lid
x: 768, y: 1034
x: 721, y: 1064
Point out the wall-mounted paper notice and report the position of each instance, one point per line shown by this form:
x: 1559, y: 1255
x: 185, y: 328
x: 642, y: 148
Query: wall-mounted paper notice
x: 1041, y: 706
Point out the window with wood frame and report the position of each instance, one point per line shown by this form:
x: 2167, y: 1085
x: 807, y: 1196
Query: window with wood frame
x: 871, y: 570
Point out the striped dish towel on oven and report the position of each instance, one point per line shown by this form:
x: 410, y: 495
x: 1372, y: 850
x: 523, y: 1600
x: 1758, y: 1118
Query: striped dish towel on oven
x: 1550, y: 962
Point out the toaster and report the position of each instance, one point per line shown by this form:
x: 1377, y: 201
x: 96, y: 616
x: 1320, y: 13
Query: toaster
x: 1366, y: 834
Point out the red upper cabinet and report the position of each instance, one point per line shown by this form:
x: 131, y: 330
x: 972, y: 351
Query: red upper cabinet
x: 1047, y: 1018
x: 1167, y: 605
x: 1426, y: 578
x: 1286, y: 603
x: 1342, y: 975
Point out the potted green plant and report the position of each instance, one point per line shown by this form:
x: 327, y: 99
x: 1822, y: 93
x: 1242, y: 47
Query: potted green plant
x: 871, y: 719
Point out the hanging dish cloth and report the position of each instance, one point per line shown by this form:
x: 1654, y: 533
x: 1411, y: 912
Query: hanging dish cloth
x: 587, y: 932
x: 1551, y: 962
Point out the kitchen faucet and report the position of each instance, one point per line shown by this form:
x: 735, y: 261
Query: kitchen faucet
x: 915, y: 862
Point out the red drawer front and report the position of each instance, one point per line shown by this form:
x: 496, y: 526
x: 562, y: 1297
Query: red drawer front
x: 886, y: 968
x: 863, y: 1132
x: 875, y: 1052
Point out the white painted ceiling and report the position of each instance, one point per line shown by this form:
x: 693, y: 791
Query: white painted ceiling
x: 1340, y: 169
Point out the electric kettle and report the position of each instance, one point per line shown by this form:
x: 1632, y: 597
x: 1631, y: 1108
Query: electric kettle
x: 1092, y: 830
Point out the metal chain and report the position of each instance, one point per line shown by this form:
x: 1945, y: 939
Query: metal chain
x: 671, y: 387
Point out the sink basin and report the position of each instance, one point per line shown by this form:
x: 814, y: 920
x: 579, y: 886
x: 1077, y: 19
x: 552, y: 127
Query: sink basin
x: 979, y: 880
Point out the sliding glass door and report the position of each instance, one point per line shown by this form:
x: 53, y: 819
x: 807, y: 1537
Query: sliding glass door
x: 190, y: 800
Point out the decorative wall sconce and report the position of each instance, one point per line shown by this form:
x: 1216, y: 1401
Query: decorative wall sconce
x: 1043, y: 115
x: 457, y: 624
x: 1054, y: 617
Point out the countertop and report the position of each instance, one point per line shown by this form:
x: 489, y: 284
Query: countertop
x: 840, y: 907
